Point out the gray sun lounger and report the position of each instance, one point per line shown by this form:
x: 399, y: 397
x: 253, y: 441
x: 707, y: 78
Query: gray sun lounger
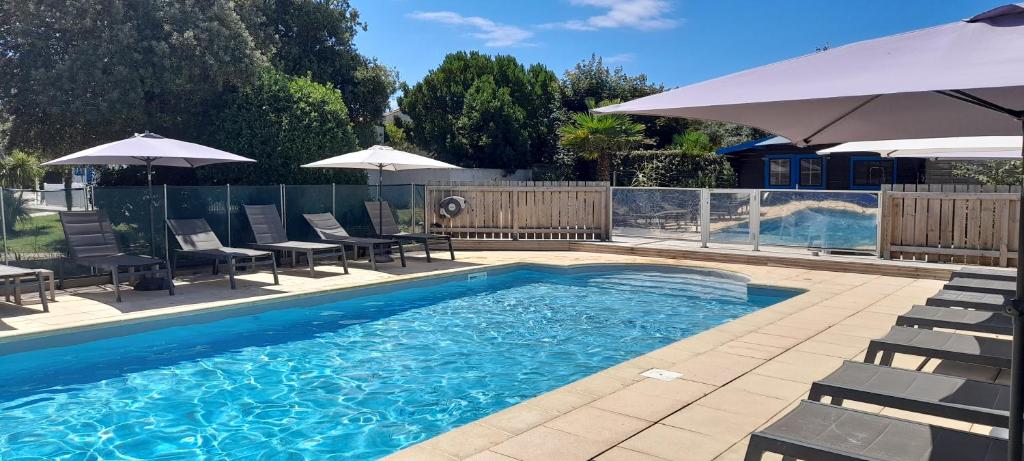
x: 92, y: 243
x: 919, y: 392
x: 15, y: 274
x: 819, y: 432
x: 328, y: 229
x: 196, y: 238
x: 270, y: 235
x: 969, y: 300
x: 977, y: 350
x: 930, y: 317
x: 987, y: 273
x: 1006, y: 288
x: 385, y: 225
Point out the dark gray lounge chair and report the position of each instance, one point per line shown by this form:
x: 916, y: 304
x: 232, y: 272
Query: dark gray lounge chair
x: 819, y: 432
x: 385, y: 225
x: 15, y: 274
x: 969, y: 300
x: 1006, y: 288
x: 270, y: 235
x: 92, y: 243
x: 328, y: 229
x: 196, y: 238
x: 987, y: 273
x: 931, y: 317
x: 978, y: 350
x: 927, y: 393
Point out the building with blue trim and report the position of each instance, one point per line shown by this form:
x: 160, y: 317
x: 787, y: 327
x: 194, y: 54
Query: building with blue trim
x: 776, y: 163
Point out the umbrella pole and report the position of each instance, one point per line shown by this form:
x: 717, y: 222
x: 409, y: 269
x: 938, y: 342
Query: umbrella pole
x: 380, y: 202
x: 152, y: 231
x: 1016, y: 429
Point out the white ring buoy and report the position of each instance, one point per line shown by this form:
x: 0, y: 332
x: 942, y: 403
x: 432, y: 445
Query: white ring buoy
x: 450, y: 207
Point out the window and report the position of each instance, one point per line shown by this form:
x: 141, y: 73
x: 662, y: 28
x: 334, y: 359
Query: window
x: 810, y: 172
x: 869, y: 173
x: 779, y: 172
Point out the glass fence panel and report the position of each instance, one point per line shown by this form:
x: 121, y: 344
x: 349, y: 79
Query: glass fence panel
x: 34, y: 235
x: 402, y: 198
x: 663, y: 213
x: 730, y: 217
x: 301, y: 200
x: 350, y: 208
x: 137, y: 216
x: 815, y: 219
x: 197, y: 202
x: 58, y: 199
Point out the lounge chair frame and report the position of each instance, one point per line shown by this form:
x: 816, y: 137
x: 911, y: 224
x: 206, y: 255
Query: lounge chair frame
x: 328, y: 229
x: 271, y: 235
x: 92, y: 243
x: 384, y: 223
x: 196, y: 238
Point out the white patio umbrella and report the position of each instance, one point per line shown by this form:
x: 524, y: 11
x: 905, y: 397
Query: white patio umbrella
x: 380, y: 158
x: 151, y: 150
x: 956, y: 148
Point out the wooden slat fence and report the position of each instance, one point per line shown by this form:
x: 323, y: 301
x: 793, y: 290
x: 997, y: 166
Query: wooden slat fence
x: 964, y: 228
x: 522, y: 210
x: 983, y: 188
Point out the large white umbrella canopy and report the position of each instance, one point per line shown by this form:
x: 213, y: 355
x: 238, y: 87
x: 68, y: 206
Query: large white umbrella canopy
x: 151, y: 150
x: 380, y: 158
x: 383, y: 158
x: 956, y: 148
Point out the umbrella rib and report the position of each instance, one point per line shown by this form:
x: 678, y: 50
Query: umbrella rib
x: 964, y: 96
x: 807, y: 140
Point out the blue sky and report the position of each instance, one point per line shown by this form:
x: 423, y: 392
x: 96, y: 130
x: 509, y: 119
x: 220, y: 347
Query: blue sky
x: 674, y: 42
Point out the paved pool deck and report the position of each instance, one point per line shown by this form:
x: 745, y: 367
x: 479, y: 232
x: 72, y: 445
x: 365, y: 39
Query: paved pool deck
x: 736, y: 377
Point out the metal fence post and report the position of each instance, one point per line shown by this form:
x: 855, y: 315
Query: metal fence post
x: 610, y: 214
x: 284, y: 195
x: 412, y: 207
x: 167, y: 243
x: 882, y: 199
x: 705, y: 217
x: 755, y: 218
x: 334, y: 200
x: 3, y: 222
x: 426, y: 197
x: 227, y: 211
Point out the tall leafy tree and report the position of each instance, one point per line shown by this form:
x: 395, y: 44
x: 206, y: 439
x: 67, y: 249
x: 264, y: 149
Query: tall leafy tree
x: 442, y: 107
x: 315, y: 38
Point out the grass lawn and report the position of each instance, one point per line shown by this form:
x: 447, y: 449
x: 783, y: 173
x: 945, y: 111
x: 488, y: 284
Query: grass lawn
x: 37, y: 234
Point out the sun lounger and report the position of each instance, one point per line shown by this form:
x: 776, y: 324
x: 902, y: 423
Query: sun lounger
x: 942, y: 345
x: 197, y: 239
x: 328, y: 229
x: 930, y: 317
x: 969, y: 300
x: 270, y: 235
x: 1006, y: 288
x: 987, y: 273
x: 385, y: 225
x: 92, y: 243
x: 819, y: 432
x: 14, y: 274
x: 926, y: 393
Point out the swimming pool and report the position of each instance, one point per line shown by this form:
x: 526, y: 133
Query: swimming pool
x: 353, y: 375
x: 810, y: 227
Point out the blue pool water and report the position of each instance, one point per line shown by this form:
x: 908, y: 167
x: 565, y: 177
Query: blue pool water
x: 343, y: 376
x: 812, y: 227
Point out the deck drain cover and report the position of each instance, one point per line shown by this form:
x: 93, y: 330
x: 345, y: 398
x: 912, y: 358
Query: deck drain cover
x: 664, y: 375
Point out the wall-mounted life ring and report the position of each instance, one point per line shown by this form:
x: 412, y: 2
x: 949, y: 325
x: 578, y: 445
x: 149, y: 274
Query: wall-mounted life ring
x: 450, y: 207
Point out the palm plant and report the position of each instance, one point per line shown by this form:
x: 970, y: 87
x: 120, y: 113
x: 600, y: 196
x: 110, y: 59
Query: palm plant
x: 599, y: 137
x: 20, y: 170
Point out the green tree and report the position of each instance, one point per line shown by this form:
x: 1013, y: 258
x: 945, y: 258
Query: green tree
x: 315, y: 37
x: 438, y: 106
x: 20, y: 170
x: 693, y: 142
x: 282, y: 122
x: 492, y: 126
x: 599, y: 137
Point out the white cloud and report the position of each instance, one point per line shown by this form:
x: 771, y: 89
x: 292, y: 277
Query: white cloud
x: 494, y: 34
x: 633, y: 14
x: 619, y: 58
